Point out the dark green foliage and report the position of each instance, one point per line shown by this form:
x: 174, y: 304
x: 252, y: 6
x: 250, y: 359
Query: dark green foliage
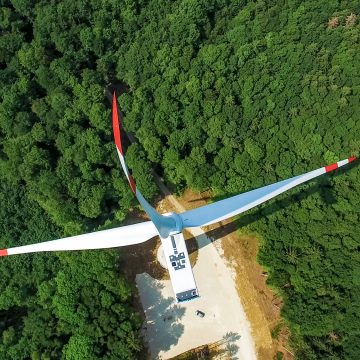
x: 74, y: 305
x: 222, y: 95
x: 56, y: 151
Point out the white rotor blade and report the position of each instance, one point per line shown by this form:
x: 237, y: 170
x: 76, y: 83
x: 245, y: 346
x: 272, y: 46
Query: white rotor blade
x: 235, y: 205
x: 121, y: 236
x: 164, y: 224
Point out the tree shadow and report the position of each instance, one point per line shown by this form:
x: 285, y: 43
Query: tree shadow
x: 231, y: 347
x: 161, y: 328
x: 227, y: 346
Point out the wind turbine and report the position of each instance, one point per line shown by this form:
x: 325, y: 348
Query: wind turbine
x: 170, y: 226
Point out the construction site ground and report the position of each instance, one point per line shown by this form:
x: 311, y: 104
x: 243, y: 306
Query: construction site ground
x: 239, y: 252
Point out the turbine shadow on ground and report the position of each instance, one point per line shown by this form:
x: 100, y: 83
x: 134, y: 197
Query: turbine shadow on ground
x: 162, y: 328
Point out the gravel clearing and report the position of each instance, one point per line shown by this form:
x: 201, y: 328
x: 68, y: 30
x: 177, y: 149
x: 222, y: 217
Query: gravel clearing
x: 171, y: 328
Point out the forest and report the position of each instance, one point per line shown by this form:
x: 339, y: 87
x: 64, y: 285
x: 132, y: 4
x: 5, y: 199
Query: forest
x: 221, y: 95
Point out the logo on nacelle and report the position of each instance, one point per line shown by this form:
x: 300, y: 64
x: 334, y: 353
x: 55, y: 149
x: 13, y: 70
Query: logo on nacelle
x: 178, y: 259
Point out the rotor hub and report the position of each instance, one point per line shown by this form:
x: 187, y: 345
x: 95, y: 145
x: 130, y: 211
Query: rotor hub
x: 178, y: 227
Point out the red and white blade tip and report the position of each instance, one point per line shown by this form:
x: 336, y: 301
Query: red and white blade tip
x: 352, y: 158
x: 336, y: 165
x: 116, y: 124
x: 3, y: 252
